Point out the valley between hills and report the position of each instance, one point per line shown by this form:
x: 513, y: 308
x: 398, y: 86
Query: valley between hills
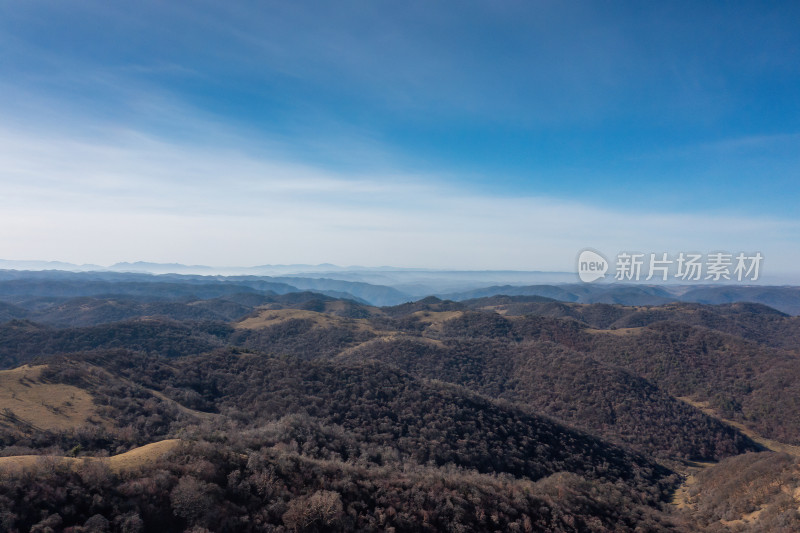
x: 187, y: 409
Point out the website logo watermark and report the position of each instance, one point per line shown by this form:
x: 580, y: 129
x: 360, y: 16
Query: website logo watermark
x: 683, y: 266
x: 591, y: 266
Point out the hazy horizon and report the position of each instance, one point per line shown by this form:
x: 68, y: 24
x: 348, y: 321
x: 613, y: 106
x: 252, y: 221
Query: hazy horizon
x: 397, y: 276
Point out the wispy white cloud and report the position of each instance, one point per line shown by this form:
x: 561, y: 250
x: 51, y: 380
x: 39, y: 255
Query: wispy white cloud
x: 140, y: 151
x: 136, y: 197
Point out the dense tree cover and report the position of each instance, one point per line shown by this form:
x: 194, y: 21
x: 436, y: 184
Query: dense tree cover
x: 431, y: 303
x: 301, y: 337
x: 11, y: 312
x: 246, y: 486
x: 22, y: 341
x: 548, y: 378
x: 313, y: 446
x: 423, y: 421
x: 785, y: 299
x: 754, y: 322
x: 431, y: 415
x: 83, y: 311
x: 744, y: 381
x: 748, y: 379
x: 742, y: 378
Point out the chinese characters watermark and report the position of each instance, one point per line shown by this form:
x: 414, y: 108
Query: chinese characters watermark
x: 685, y: 266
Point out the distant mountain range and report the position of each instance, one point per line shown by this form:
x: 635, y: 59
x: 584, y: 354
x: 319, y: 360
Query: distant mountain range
x: 379, y: 286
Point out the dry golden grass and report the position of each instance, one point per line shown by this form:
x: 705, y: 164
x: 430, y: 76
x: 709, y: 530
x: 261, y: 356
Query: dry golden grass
x: 136, y: 458
x: 500, y: 309
x: 387, y: 338
x: 141, y: 456
x: 52, y: 406
x: 272, y: 317
x: 681, y: 498
x: 436, y: 319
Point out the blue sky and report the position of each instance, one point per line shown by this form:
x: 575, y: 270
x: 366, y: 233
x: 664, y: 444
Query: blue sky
x: 432, y: 134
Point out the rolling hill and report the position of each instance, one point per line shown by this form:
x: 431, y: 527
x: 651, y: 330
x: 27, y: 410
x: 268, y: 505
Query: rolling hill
x: 308, y: 412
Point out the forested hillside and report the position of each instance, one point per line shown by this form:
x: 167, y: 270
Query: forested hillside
x: 304, y: 412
